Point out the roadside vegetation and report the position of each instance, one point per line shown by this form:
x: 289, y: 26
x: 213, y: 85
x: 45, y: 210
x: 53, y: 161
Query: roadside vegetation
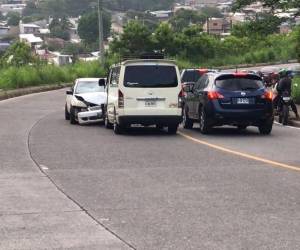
x: 14, y: 77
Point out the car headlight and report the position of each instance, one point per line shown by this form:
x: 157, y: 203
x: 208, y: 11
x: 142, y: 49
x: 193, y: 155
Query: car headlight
x: 78, y: 104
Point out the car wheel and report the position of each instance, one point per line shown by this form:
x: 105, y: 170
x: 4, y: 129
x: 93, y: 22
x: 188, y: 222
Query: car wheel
x: 159, y: 127
x: 67, y: 114
x: 72, y: 116
x: 242, y: 127
x: 172, y: 129
x: 203, y: 121
x: 266, y: 127
x: 187, y: 122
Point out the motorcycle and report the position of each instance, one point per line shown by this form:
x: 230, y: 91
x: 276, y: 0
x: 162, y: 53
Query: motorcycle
x: 284, y: 108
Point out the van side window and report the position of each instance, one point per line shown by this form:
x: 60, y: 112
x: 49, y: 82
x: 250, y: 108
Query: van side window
x: 114, y: 77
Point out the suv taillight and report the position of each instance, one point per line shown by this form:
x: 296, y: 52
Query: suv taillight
x: 268, y: 95
x: 120, y: 99
x: 213, y: 95
x: 180, y: 97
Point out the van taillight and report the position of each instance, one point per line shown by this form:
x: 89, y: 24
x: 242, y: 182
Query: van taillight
x: 180, y: 97
x: 120, y: 99
x: 213, y: 95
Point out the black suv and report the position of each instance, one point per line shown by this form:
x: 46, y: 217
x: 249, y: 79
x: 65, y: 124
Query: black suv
x: 238, y: 99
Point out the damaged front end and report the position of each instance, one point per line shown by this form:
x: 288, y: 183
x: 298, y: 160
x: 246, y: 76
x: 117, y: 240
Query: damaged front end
x: 91, y: 113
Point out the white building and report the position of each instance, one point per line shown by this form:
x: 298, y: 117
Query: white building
x: 6, y: 8
x: 29, y: 28
x: 32, y: 40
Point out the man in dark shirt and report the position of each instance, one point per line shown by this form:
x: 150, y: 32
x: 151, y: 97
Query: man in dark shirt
x: 285, y: 85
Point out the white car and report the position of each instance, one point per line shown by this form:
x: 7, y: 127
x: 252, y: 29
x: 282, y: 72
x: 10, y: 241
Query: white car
x: 86, y: 100
x: 145, y: 92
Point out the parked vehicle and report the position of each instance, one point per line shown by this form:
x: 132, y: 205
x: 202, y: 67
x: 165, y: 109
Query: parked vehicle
x: 193, y: 75
x: 238, y: 99
x: 86, y: 100
x: 145, y: 92
x: 284, y: 104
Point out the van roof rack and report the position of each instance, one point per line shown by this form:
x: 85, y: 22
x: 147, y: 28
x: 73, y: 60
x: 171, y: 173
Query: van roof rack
x: 144, y: 56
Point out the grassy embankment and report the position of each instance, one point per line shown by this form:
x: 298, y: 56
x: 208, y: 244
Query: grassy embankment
x: 29, y: 76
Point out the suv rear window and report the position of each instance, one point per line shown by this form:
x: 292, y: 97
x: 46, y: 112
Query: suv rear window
x: 148, y: 76
x: 191, y: 76
x: 239, y: 83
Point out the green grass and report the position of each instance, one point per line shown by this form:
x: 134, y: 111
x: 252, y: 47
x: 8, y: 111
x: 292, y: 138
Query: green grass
x: 28, y: 76
x: 296, y: 90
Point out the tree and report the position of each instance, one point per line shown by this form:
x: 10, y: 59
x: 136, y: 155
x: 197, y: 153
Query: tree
x: 30, y: 8
x: 184, y: 18
x: 136, y: 39
x: 60, y: 28
x: 13, y: 18
x: 273, y: 4
x: 18, y: 54
x: 164, y: 39
x: 211, y: 12
x: 88, y: 27
x: 263, y: 26
x: 297, y: 36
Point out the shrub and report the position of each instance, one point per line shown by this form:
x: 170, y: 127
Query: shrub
x: 26, y: 76
x: 296, y: 90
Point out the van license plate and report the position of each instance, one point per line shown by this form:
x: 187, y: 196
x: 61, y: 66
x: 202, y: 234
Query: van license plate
x: 243, y: 101
x: 150, y: 103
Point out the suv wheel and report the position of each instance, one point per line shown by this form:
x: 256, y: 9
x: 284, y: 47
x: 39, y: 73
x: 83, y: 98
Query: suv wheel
x: 67, y: 114
x: 266, y: 127
x: 72, y: 116
x: 204, y: 126
x: 172, y: 129
x: 187, y: 122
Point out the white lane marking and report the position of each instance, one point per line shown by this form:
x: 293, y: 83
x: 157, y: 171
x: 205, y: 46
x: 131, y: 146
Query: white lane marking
x: 279, y: 124
x: 44, y: 167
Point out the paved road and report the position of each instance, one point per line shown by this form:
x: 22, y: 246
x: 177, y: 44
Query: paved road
x: 146, y: 189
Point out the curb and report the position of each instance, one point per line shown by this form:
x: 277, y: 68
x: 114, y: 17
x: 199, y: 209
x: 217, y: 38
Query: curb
x: 293, y: 123
x: 31, y: 90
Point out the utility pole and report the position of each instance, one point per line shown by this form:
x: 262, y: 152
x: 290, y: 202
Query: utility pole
x: 101, y: 37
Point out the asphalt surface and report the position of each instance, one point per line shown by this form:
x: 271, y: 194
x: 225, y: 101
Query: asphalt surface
x: 145, y: 189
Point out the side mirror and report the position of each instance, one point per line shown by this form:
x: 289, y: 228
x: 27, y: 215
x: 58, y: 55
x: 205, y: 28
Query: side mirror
x: 102, y: 82
x: 188, y: 87
x: 69, y: 92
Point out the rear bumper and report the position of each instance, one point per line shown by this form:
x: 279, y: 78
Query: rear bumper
x: 149, y: 120
x: 90, y: 117
x: 219, y: 115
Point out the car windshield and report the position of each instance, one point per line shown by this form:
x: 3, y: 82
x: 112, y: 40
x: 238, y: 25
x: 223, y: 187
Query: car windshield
x: 191, y: 76
x: 240, y: 83
x: 88, y: 87
x: 148, y: 76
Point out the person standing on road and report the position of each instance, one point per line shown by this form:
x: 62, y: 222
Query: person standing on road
x: 285, y: 85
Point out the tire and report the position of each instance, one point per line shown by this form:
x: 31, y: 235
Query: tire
x: 118, y: 129
x: 67, y: 114
x: 205, y: 128
x: 72, y: 116
x: 242, y: 127
x: 172, y: 129
x: 285, y: 114
x: 187, y: 122
x: 107, y: 124
x: 266, y: 127
x: 159, y: 127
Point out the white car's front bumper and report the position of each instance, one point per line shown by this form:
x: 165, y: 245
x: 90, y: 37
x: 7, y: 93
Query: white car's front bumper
x: 90, y: 117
